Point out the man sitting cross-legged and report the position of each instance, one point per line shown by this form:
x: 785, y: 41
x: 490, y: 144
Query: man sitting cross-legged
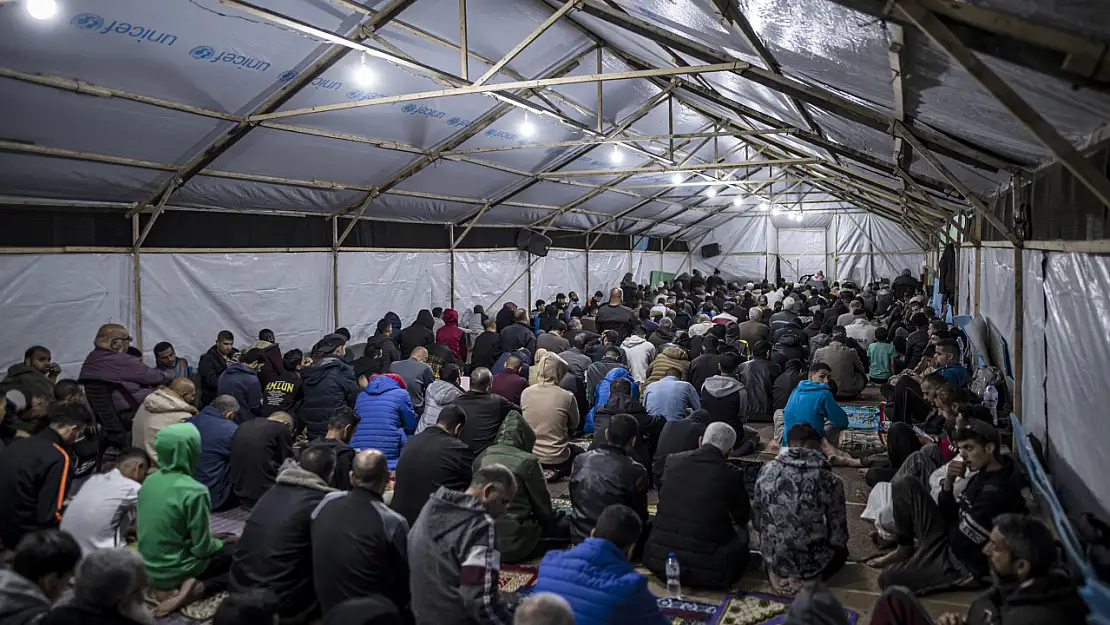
x: 258, y: 449
x: 703, y: 515
x: 608, y: 475
x: 812, y: 402
x: 802, y: 520
x: 102, y: 514
x: 275, y: 552
x: 951, y: 532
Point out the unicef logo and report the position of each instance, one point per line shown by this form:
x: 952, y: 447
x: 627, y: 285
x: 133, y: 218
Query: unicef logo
x: 354, y: 94
x: 88, y: 21
x: 286, y: 76
x: 454, y: 121
x: 408, y: 108
x: 201, y: 52
x: 491, y: 132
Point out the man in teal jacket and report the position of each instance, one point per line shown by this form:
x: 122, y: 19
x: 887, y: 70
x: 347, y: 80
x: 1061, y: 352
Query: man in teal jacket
x: 812, y: 402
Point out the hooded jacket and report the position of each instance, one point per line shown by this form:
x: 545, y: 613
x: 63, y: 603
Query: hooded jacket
x: 1048, y: 600
x: 454, y: 563
x: 272, y: 365
x: 385, y: 413
x: 275, y: 550
x: 212, y: 364
x: 789, y: 343
x: 726, y: 399
x: 671, y: 357
x: 328, y: 384
x: 601, y: 393
x: 137, y: 379
x: 759, y: 376
x: 394, y: 321
x: 29, y: 380
x: 661, y: 336
x: 161, y: 408
x: 847, y: 370
x: 419, y: 334
x: 213, y: 467
x: 814, y: 404
x: 676, y: 437
x: 640, y: 354
x: 34, y: 478
x: 452, y: 335
x: 487, y: 348
x: 530, y: 510
x: 802, y: 517
x: 21, y: 600
x: 550, y: 410
x: 596, y: 372
x: 518, y: 336
x: 505, y: 316
x: 602, y: 586
x: 175, y: 536
x: 601, y: 478
x: 438, y: 395
x: 258, y: 450
x: 390, y: 353
x: 241, y: 382
x: 695, y: 520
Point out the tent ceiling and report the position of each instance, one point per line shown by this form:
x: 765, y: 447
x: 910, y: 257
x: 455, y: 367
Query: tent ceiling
x: 216, y: 104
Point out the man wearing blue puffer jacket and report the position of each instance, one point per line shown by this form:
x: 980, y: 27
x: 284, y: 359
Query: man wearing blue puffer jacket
x: 385, y: 415
x: 596, y: 577
x: 812, y: 402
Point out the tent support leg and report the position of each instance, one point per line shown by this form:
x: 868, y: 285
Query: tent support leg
x: 978, y: 264
x: 587, y: 293
x: 836, y: 246
x: 335, y: 269
x: 463, y: 50
x: 136, y: 281
x: 1019, y: 304
x: 451, y: 237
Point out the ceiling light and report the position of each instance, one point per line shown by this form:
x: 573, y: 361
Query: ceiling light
x: 618, y: 156
x: 676, y: 178
x: 737, y: 201
x: 796, y: 216
x: 42, y: 9
x: 764, y: 207
x: 527, y: 128
x: 363, y: 75
x: 711, y: 192
x: 775, y: 211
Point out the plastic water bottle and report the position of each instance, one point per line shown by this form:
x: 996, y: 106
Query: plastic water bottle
x: 674, y: 586
x: 990, y: 400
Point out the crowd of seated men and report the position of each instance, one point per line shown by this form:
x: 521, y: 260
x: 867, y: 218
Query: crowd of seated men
x: 386, y: 481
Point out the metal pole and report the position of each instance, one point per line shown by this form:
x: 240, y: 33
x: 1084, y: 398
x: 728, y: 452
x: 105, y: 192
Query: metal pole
x: 587, y: 293
x: 978, y: 263
x: 335, y: 270
x: 1019, y: 304
x: 463, y: 52
x: 136, y: 281
x: 451, y: 251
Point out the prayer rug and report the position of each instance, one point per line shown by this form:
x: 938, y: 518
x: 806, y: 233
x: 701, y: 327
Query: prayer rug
x: 862, y: 417
x: 861, y: 443
x: 566, y: 506
x: 686, y: 612
x: 756, y: 608
x: 517, y: 577
x: 230, y: 521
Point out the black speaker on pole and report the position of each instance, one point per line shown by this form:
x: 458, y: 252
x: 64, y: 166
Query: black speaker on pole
x: 534, y: 243
x: 711, y: 250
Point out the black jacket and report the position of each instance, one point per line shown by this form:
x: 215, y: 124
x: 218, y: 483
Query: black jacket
x: 33, y: 484
x: 702, y: 368
x: 344, y: 456
x: 905, y: 285
x: 390, y: 352
x: 971, y: 516
x: 275, y: 550
x: 486, y: 351
x: 258, y: 449
x: 419, y: 334
x: 619, y: 318
x: 504, y: 318
x: 650, y: 426
x: 759, y: 376
x: 676, y: 437
x: 484, y: 414
x: 283, y: 394
x: 790, y: 344
x: 518, y: 336
x: 1049, y: 600
x: 781, y: 319
x: 596, y: 373
x: 916, y: 343
x: 211, y: 365
x: 726, y: 399
x: 356, y: 559
x: 328, y: 384
x: 601, y: 478
x: 661, y: 337
x: 695, y: 519
x: 431, y: 459
x: 785, y: 385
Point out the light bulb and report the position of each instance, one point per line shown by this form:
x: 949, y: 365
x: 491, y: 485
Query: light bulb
x: 775, y: 211
x: 711, y: 192
x: 363, y: 75
x: 618, y: 156
x: 676, y: 178
x: 763, y: 207
x: 527, y: 128
x: 42, y: 9
x: 737, y: 201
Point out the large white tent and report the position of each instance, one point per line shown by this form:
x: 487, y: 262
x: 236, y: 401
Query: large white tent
x: 185, y: 166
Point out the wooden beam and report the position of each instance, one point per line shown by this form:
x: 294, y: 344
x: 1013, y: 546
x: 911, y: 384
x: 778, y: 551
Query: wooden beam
x: 524, y: 43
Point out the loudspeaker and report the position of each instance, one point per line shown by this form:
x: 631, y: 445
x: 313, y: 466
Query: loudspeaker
x: 534, y: 243
x: 711, y: 250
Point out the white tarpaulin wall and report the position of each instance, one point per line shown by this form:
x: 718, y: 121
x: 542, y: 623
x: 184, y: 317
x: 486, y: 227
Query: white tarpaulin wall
x: 744, y: 249
x: 801, y: 252
x: 374, y: 283
x: 868, y: 248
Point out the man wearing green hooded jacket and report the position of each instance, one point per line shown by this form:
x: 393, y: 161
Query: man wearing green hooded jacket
x: 530, y: 527
x: 183, y: 560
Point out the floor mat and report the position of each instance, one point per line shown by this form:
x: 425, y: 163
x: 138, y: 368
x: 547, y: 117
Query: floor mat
x: 517, y: 577
x: 566, y: 506
x: 862, y: 417
x: 686, y: 612
x: 230, y: 521
x: 756, y: 608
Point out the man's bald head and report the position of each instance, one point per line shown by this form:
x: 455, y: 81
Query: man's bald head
x: 184, y: 388
x: 419, y: 354
x: 615, y: 295
x: 112, y: 336
x: 282, y: 417
x: 480, y: 379
x: 370, y: 470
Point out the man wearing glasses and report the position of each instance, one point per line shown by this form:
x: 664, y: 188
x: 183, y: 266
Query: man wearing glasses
x: 109, y: 362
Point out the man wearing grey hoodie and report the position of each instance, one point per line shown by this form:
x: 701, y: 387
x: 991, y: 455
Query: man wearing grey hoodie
x: 41, y: 568
x: 454, y: 559
x: 724, y: 396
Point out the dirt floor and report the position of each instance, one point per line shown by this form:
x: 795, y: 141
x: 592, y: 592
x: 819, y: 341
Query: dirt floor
x: 856, y: 585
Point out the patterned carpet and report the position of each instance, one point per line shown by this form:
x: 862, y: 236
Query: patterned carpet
x: 862, y: 417
x: 756, y: 608
x: 565, y: 505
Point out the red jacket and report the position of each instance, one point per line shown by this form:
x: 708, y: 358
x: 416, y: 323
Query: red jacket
x: 452, y: 335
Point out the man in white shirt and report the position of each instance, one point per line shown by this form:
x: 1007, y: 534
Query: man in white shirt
x: 103, y: 512
x: 861, y: 330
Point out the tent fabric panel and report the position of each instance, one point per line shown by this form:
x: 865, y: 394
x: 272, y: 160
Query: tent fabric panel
x: 561, y: 271
x: 968, y: 279
x: 997, y: 295
x: 1076, y: 385
x: 374, y: 283
x: 85, y: 291
x: 187, y: 298
x: 1034, y: 407
x: 891, y: 265
x: 212, y: 192
x: 607, y: 269
x: 461, y: 179
x: 483, y: 278
x: 63, y: 179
